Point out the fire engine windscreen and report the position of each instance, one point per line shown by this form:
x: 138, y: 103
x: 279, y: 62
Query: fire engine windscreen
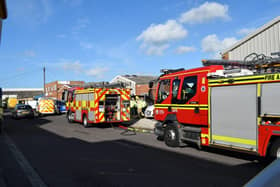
x: 163, y: 91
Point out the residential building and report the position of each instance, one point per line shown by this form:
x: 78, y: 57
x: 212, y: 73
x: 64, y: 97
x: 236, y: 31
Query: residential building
x: 139, y: 84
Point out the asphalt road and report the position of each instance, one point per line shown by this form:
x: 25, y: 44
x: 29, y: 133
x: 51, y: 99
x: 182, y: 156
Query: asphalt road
x: 64, y: 154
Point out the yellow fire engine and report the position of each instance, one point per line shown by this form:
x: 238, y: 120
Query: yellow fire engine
x: 98, y: 105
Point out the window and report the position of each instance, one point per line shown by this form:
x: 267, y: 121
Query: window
x: 70, y: 96
x: 28, y: 107
x: 163, y: 91
x: 91, y: 96
x: 175, y: 90
x: 84, y: 97
x: 188, y: 88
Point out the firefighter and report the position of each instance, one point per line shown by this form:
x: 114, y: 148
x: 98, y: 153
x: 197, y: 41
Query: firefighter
x: 133, y: 106
x: 141, y: 106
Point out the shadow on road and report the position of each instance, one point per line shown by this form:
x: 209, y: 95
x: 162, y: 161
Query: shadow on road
x: 71, y: 162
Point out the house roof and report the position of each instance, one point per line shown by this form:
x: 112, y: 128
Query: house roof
x: 253, y: 34
x: 140, y: 79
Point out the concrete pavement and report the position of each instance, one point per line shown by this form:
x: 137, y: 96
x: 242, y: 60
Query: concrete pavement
x: 143, y: 125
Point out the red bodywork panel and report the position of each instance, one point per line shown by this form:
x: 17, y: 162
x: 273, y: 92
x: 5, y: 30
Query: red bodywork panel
x: 265, y: 134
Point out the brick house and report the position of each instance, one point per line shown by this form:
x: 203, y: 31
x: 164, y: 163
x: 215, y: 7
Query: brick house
x: 56, y: 88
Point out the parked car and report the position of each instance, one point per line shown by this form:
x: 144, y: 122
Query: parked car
x: 22, y: 111
x: 60, y: 107
x: 149, y: 112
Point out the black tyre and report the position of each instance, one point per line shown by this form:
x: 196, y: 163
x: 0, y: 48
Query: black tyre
x: 160, y: 138
x: 85, y: 121
x: 275, y: 149
x: 171, y: 136
x: 69, y: 117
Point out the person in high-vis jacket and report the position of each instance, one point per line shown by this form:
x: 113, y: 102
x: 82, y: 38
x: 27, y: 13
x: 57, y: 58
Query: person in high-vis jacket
x: 141, y: 106
x: 133, y: 107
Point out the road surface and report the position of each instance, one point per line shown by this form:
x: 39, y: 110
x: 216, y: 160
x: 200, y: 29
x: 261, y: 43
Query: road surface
x: 63, y: 154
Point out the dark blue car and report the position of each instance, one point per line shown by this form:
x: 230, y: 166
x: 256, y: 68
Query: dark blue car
x: 60, y: 107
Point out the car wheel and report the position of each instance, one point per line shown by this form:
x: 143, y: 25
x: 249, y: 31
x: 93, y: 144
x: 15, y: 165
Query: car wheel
x: 171, y: 136
x: 275, y: 149
x: 85, y: 121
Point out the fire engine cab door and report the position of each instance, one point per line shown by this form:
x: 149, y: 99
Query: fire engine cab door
x: 234, y: 116
x: 188, y: 104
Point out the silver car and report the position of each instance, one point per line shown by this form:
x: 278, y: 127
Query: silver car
x: 149, y: 112
x: 22, y: 111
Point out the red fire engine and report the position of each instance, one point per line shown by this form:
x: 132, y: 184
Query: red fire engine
x: 98, y: 105
x: 226, y: 104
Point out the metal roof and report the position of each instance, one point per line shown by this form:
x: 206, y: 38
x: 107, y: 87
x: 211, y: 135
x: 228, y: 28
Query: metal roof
x: 253, y: 34
x: 21, y: 89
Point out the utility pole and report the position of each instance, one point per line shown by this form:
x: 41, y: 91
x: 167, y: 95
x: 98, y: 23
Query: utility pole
x: 44, y: 72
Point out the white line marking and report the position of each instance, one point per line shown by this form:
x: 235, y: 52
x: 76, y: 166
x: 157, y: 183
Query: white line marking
x: 30, y: 173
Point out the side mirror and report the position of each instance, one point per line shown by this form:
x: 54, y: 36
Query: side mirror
x: 151, y: 84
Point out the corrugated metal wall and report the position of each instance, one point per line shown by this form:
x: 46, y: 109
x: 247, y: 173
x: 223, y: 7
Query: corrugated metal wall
x: 265, y: 42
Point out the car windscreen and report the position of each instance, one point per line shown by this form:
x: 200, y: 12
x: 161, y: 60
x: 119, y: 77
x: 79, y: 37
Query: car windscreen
x: 21, y: 107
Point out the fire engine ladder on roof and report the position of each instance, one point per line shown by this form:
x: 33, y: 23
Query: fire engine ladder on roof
x: 257, y: 63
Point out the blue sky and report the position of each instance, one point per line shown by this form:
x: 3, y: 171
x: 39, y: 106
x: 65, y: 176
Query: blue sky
x: 95, y: 40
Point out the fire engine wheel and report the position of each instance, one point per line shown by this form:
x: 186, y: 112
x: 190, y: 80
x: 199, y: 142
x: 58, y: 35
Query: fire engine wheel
x: 275, y: 149
x: 69, y: 117
x: 85, y: 121
x: 171, y: 136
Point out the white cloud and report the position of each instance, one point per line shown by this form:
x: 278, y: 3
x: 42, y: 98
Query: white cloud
x: 156, y: 49
x: 79, y: 68
x: 245, y: 31
x: 75, y: 66
x: 97, y: 72
x: 212, y: 43
x: 205, y: 12
x: 29, y: 53
x: 156, y: 38
x: 161, y: 33
x: 185, y: 49
x: 86, y: 45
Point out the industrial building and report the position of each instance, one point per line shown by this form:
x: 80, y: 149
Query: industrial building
x: 265, y: 40
x: 21, y: 93
x: 56, y: 88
